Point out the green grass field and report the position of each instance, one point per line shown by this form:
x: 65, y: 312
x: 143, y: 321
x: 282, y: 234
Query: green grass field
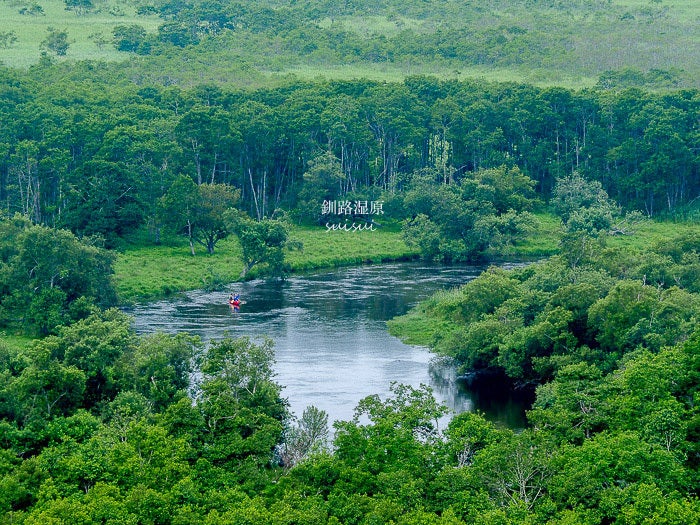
x: 544, y: 239
x: 650, y: 233
x: 145, y: 272
x: 31, y: 30
x: 397, y: 72
x: 13, y: 343
x: 579, y: 42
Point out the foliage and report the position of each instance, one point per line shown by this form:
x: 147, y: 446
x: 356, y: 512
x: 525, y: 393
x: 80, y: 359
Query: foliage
x: 98, y: 424
x: 80, y: 7
x: 262, y: 242
x: 109, y: 206
x: 462, y: 221
x: 197, y: 211
x: 131, y: 38
x: 536, y: 322
x: 613, y: 46
x: 240, y: 403
x: 573, y: 193
x: 308, y: 437
x: 7, y: 39
x: 56, y: 41
x: 48, y: 277
x: 323, y: 181
x: 77, y: 162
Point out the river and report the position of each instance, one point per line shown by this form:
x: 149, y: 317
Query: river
x: 332, y: 347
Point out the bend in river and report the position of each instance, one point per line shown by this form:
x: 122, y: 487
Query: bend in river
x: 332, y: 347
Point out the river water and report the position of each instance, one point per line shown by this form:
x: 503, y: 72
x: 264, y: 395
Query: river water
x: 332, y: 347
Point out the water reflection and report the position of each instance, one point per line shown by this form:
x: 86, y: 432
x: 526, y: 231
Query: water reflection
x: 331, y: 343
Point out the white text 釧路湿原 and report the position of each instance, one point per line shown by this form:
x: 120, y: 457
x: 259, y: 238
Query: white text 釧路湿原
x: 353, y: 208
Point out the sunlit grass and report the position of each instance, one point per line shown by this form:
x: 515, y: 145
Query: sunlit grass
x: 148, y: 271
x: 31, y: 30
x: 417, y: 328
x: 544, y: 238
x: 397, y: 72
x: 145, y: 271
x: 322, y: 248
x: 649, y: 233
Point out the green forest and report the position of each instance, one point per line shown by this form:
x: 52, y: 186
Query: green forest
x: 152, y: 147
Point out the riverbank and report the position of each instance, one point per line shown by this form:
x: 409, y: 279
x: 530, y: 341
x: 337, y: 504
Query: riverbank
x: 523, y: 314
x: 146, y: 272
x: 331, y: 345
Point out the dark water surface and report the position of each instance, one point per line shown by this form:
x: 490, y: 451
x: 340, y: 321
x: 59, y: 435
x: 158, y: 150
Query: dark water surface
x: 332, y: 347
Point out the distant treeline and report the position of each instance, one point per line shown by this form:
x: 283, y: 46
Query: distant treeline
x: 551, y: 38
x: 95, y: 158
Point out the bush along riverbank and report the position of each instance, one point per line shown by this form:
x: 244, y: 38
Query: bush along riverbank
x: 590, y: 304
x: 609, y: 338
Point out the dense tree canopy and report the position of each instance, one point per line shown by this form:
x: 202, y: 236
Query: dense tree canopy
x: 73, y: 160
x: 101, y: 425
x: 612, y: 447
x: 198, y: 212
x: 105, y: 424
x: 533, y: 322
x: 48, y: 277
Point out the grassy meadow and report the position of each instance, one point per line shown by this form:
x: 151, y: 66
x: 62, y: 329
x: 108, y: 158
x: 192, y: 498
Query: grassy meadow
x: 13, y: 343
x: 145, y: 272
x: 649, y: 233
x: 541, y: 43
x: 397, y: 72
x: 31, y: 30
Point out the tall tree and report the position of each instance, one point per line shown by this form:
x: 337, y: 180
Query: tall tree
x: 198, y: 211
x: 240, y: 402
x: 48, y: 270
x: 262, y: 242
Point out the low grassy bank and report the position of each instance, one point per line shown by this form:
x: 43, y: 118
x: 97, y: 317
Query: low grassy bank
x: 650, y: 233
x: 426, y: 323
x: 144, y: 272
x: 14, y: 343
x: 322, y: 248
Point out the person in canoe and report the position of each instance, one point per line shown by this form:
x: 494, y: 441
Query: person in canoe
x: 235, y: 302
